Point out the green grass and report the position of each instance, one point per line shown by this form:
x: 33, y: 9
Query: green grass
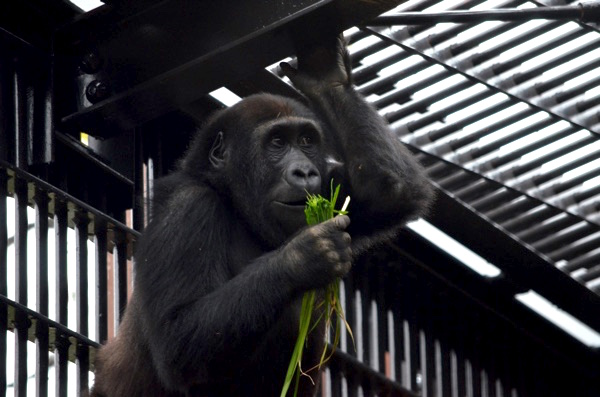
x: 318, y: 209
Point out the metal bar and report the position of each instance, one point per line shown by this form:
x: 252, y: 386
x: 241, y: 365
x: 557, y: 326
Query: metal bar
x: 383, y: 344
x: 100, y: 242
x: 41, y: 222
x: 465, y: 71
x: 3, y: 275
x: 366, y: 317
x: 81, y: 228
x: 120, y: 277
x: 551, y: 226
x: 21, y: 326
x: 62, y: 294
x: 585, y: 12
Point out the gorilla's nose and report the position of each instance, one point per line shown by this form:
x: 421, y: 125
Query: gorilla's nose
x: 304, y: 176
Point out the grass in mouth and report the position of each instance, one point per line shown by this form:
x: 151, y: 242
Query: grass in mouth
x: 318, y: 209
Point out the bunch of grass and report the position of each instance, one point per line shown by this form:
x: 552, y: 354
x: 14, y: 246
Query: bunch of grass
x: 318, y: 209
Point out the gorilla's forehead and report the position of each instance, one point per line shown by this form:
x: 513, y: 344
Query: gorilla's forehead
x: 260, y: 108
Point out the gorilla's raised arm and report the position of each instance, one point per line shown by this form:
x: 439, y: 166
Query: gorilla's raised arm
x: 386, y: 183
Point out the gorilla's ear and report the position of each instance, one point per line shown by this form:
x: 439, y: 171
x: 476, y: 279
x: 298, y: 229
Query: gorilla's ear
x: 217, y: 152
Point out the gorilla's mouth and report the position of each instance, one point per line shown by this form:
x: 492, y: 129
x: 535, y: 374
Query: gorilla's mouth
x: 293, y: 204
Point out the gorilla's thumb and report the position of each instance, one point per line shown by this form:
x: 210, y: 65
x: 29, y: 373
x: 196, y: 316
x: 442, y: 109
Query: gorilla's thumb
x: 341, y: 221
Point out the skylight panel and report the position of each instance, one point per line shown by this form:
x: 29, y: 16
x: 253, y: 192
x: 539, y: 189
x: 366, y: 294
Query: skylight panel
x: 476, y: 30
x: 494, y: 118
x: 459, y: 96
x: 454, y: 248
x: 442, y: 6
x: 568, y: 140
x: 536, y: 136
x: 581, y: 79
x: 538, y: 41
x: 559, y: 51
x: 592, y: 165
x: 477, y: 107
x: 400, y: 66
x: 520, y: 30
x: 560, y: 318
x: 363, y: 43
x: 491, y: 4
x: 379, y: 56
x: 87, y: 5
x: 424, y: 74
x: 571, y: 157
x: 573, y: 64
x: 431, y: 90
x: 225, y: 96
x: 591, y: 183
x: 512, y: 128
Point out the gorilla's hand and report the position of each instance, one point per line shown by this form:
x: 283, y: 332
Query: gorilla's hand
x: 321, y: 68
x: 319, y: 254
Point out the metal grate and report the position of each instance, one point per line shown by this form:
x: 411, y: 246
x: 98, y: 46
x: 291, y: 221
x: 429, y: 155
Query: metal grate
x: 516, y: 103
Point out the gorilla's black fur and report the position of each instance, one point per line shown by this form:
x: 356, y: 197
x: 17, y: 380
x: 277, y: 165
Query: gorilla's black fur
x: 224, y: 261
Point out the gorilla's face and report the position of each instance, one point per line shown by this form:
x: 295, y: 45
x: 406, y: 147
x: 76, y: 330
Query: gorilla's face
x: 276, y: 155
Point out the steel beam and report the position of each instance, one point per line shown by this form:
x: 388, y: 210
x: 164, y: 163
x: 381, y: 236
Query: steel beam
x: 160, y: 58
x: 584, y: 12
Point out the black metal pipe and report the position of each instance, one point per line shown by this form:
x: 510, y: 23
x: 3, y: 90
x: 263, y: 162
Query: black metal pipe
x: 41, y: 239
x: 3, y: 276
x: 100, y: 241
x: 583, y: 12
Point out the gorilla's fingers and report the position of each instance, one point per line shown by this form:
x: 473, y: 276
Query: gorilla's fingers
x: 341, y: 221
x: 288, y: 70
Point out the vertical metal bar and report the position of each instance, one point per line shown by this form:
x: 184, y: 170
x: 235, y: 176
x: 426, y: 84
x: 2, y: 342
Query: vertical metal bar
x: 100, y: 241
x: 336, y: 381
x: 383, y: 346
x: 138, y: 187
x: 20, y: 96
x: 62, y: 293
x: 411, y: 330
x: 5, y: 104
x: 460, y: 375
x: 349, y: 294
x: 40, y: 139
x: 120, y: 276
x: 365, y: 300
x: 61, y: 354
x: 41, y: 231
x: 428, y: 361
x: 21, y: 286
x: 81, y: 233
x: 3, y: 277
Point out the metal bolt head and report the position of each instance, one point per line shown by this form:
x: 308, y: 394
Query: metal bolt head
x: 96, y: 91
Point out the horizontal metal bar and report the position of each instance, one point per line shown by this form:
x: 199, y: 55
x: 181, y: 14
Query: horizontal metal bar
x: 589, y: 12
x: 112, y: 223
x: 58, y: 333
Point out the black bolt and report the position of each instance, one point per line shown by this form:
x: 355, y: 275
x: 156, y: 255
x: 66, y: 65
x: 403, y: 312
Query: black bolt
x: 96, y: 91
x: 90, y: 63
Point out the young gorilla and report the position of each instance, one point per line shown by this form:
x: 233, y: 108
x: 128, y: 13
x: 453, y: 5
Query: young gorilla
x: 223, y: 264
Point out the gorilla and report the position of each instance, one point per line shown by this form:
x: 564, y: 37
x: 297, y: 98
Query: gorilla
x: 222, y: 265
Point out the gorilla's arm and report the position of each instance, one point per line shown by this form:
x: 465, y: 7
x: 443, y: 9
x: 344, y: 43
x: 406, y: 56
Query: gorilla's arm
x: 386, y: 183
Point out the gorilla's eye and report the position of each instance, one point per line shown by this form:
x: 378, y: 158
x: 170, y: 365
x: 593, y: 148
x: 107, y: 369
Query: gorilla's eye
x: 277, y: 141
x: 305, y: 140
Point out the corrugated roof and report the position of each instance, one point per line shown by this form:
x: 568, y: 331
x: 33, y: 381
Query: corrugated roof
x: 505, y: 116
